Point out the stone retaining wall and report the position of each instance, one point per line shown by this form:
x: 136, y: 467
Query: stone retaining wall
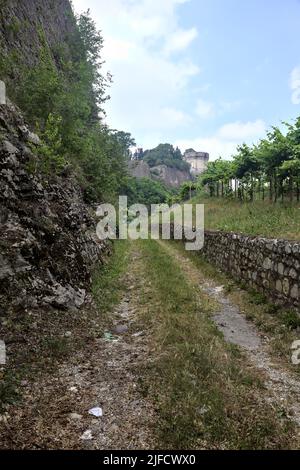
x: 269, y: 266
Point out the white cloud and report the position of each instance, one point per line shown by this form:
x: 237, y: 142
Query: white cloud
x: 205, y: 109
x: 215, y: 146
x: 230, y: 106
x: 295, y: 85
x: 146, y: 50
x: 174, y: 116
x: 140, y: 39
x: 180, y: 40
x: 225, y: 141
x: 148, y: 85
x: 242, y: 131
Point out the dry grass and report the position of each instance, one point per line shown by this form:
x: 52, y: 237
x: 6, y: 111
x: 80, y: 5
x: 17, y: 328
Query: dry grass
x: 281, y: 220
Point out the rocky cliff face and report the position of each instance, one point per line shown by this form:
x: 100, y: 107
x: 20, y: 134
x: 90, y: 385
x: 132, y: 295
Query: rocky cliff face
x: 139, y: 169
x: 169, y: 176
x: 48, y: 243
x: 24, y: 24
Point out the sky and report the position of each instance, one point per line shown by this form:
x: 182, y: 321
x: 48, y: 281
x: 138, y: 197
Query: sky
x: 206, y: 74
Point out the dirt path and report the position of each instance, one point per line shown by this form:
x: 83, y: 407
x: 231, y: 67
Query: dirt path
x: 104, y: 373
x: 110, y: 380
x: 112, y: 385
x: 282, y: 387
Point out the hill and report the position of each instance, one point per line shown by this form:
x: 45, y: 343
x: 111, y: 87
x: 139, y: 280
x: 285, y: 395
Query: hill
x: 163, y: 163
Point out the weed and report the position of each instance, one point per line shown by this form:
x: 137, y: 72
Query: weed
x: 205, y: 393
x: 257, y: 298
x: 291, y: 319
x: 252, y: 218
x: 56, y: 347
x: 9, y: 394
x: 107, y: 286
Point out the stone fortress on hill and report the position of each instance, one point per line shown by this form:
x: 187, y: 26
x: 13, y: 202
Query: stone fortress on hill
x: 163, y: 170
x: 197, y: 160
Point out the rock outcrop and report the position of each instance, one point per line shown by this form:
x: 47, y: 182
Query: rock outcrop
x: 171, y: 177
x: 26, y: 25
x: 48, y: 243
x: 139, y: 169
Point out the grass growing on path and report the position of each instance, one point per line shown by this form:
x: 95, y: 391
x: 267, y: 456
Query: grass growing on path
x: 281, y: 220
x: 108, y: 285
x: 206, y: 394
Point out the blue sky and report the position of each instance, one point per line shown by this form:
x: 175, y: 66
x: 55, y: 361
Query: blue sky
x: 204, y: 74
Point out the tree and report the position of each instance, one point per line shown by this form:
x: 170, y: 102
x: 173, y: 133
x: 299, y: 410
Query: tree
x: 166, y: 154
x: 272, y: 152
x: 125, y: 140
x: 67, y: 85
x: 145, y: 191
x: 273, y: 163
x: 218, y: 177
x: 246, y: 169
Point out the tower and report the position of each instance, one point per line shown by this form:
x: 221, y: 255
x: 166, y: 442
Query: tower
x: 197, y: 160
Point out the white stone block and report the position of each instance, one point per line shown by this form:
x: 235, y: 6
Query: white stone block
x: 2, y: 93
x: 2, y: 353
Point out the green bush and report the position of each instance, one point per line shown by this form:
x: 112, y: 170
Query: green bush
x: 145, y: 191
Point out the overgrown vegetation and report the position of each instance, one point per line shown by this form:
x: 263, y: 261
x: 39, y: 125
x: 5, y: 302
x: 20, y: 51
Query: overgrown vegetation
x: 146, y: 191
x: 63, y: 97
x: 258, y: 191
x: 206, y: 394
x: 281, y: 220
x: 107, y: 279
x: 9, y: 394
